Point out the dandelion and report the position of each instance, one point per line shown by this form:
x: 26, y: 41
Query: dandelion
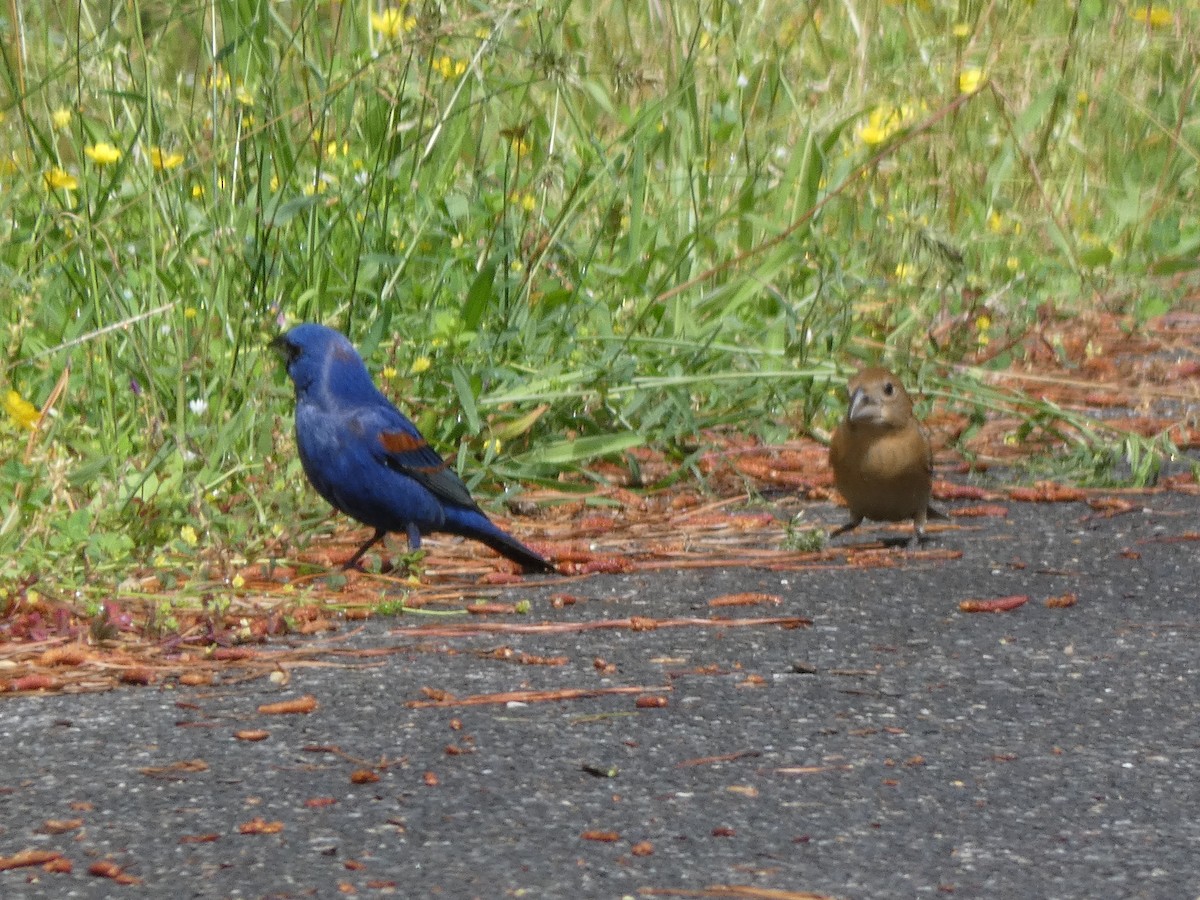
x: 197, y: 192
x: 102, y: 154
x: 420, y: 364
x: 1153, y: 14
x: 391, y: 23
x: 189, y: 312
x: 164, y: 161
x: 20, y: 410
x: 389, y: 372
x: 970, y: 80
x: 60, y: 118
x: 188, y: 535
x: 961, y: 30
x: 57, y: 179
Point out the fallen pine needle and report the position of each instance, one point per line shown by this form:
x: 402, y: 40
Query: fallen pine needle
x: 633, y: 623
x: 531, y: 696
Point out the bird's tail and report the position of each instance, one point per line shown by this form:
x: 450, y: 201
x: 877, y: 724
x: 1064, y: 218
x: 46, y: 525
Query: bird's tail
x: 473, y: 524
x: 935, y: 513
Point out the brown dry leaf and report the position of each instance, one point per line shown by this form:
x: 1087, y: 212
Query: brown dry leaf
x: 107, y: 869
x: 996, y: 604
x: 363, y: 776
x: 60, y: 866
x: 199, y: 838
x: 745, y: 599
x: 175, y: 770
x: 320, y: 802
x: 305, y: 704
x: 28, y: 858
x: 63, y: 656
x: 488, y: 609
x: 258, y: 825
x: 650, y: 702
x: 642, y: 848
x: 35, y: 682
x: 982, y: 511
x: 606, y: 837
x: 531, y: 696
x: 196, y: 679
x: 137, y: 675
x: 252, y: 734
x: 431, y: 779
x: 59, y: 826
x: 1062, y: 601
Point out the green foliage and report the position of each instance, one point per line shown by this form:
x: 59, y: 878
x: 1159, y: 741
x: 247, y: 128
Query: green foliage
x: 584, y: 227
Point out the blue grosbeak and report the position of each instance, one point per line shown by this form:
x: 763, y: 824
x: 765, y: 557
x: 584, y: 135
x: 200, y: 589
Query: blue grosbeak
x: 369, y: 461
x: 881, y: 460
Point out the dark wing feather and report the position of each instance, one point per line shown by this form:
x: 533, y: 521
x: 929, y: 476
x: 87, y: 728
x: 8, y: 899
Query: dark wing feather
x: 403, y: 449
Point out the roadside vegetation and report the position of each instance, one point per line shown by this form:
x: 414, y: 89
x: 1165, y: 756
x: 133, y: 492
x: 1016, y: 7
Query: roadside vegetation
x: 557, y: 232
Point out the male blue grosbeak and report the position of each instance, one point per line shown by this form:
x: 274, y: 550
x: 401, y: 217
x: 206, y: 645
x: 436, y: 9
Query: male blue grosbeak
x: 369, y: 461
x: 881, y: 460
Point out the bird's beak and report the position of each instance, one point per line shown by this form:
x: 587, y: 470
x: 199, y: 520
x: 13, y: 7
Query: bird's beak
x: 858, y: 400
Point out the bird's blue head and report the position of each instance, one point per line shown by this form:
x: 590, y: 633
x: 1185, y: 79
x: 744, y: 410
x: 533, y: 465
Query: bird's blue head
x: 322, y: 363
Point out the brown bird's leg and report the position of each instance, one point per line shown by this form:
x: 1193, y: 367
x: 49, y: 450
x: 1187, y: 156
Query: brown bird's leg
x: 849, y: 526
x: 372, y: 541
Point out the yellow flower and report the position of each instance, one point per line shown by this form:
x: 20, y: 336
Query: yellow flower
x: 421, y: 364
x: 20, y: 410
x: 188, y: 534
x: 983, y: 325
x: 456, y: 241
x: 1152, y: 14
x: 905, y: 271
x: 389, y: 372
x: 391, y: 23
x: 244, y: 96
x: 102, y: 154
x: 449, y: 68
x: 971, y: 80
x: 238, y: 582
x: 197, y: 191
x: 163, y: 161
x: 961, y: 30
x: 528, y: 202
x: 189, y: 312
x: 885, y: 121
x: 58, y: 179
x: 61, y: 118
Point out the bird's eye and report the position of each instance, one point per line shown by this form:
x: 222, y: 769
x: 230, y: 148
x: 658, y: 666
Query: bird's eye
x: 888, y: 389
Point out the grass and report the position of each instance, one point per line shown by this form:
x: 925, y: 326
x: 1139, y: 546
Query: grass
x: 580, y: 227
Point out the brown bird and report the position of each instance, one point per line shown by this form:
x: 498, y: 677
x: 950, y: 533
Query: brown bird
x: 880, y: 456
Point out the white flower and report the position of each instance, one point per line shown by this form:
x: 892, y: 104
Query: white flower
x: 199, y: 406
x: 743, y: 81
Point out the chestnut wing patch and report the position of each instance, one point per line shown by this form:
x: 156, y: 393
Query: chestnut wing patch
x: 411, y: 455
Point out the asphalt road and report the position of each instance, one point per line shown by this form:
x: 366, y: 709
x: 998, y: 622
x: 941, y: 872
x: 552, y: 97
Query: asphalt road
x: 896, y: 748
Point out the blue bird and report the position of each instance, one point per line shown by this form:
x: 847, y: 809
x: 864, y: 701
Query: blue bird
x: 369, y: 461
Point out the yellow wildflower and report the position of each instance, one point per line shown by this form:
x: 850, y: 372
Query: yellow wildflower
x: 885, y: 121
x: 102, y: 154
x: 20, y: 410
x: 197, y: 191
x: 163, y: 161
x: 970, y: 80
x: 188, y: 534
x: 449, y: 68
x: 421, y: 364
x: 905, y: 271
x: 61, y: 118
x: 59, y: 179
x: 189, y: 312
x: 238, y: 582
x: 983, y: 325
x: 244, y: 96
x: 1153, y: 14
x: 961, y: 30
x: 389, y: 372
x: 391, y: 23
x: 528, y: 202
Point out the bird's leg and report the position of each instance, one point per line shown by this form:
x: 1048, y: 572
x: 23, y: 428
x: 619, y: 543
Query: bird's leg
x: 371, y: 542
x: 414, y: 537
x: 849, y: 526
